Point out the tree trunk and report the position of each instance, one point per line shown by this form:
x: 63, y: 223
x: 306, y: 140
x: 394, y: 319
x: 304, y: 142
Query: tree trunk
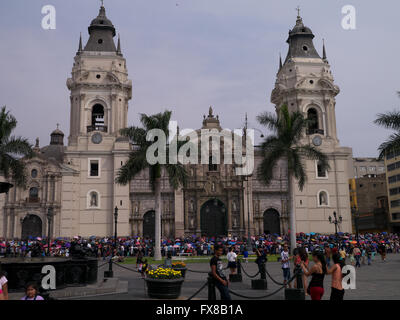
x: 292, y: 216
x: 157, y: 238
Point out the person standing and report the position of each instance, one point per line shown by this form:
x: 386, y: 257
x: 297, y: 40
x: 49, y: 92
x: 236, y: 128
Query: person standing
x: 285, y: 261
x: 317, y: 273
x: 217, y: 273
x: 357, y: 256
x: 382, y: 250
x: 3, y: 286
x: 337, y: 291
x: 232, y: 256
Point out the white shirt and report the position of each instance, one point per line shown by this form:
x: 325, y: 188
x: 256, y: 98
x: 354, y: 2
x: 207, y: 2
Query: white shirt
x: 231, y: 256
x: 285, y: 256
x: 3, y: 281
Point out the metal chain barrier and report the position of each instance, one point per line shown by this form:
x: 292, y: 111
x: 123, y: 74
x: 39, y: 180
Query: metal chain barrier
x: 248, y: 274
x: 198, y: 291
x: 265, y: 296
x: 274, y: 281
x: 102, y: 265
x: 123, y: 267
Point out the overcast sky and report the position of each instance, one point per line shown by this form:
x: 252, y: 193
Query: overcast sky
x: 186, y: 55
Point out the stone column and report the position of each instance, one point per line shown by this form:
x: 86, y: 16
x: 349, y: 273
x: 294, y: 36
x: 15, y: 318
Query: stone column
x: 186, y: 215
x: 241, y: 213
x: 198, y: 216
x: 229, y: 212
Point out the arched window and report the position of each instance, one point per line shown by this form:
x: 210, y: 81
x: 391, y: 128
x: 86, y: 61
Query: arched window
x: 33, y: 194
x: 97, y: 119
x: 93, y: 200
x: 312, y: 117
x: 323, y: 199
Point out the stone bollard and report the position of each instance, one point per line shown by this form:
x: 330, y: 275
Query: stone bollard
x: 211, y: 288
x: 260, y: 284
x: 298, y: 292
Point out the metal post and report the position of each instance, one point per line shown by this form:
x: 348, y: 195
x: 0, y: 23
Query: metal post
x: 50, y: 214
x: 110, y: 273
x: 211, y: 288
x: 262, y: 271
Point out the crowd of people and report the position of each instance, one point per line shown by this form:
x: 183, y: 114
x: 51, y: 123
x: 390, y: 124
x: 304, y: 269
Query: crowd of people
x: 368, y: 245
x: 325, y: 250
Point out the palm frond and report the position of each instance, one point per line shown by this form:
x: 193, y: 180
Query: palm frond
x: 390, y: 145
x: 389, y: 120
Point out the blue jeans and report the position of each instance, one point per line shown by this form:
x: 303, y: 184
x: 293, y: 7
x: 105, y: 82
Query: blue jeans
x: 223, y: 290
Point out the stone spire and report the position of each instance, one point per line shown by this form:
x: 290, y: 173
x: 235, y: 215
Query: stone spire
x: 80, y: 44
x: 119, y: 45
x: 324, y: 51
x: 280, y: 61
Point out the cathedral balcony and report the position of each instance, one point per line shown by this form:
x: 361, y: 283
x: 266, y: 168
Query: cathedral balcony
x: 32, y: 200
x: 315, y: 131
x: 96, y: 128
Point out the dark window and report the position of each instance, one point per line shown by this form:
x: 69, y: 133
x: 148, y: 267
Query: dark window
x: 100, y: 41
x: 320, y: 173
x: 34, y: 173
x: 211, y: 165
x: 94, y: 168
x: 33, y: 194
x: 313, y: 125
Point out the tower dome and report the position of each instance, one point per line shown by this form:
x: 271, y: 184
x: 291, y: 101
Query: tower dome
x: 101, y: 32
x: 301, y: 42
x: 57, y: 137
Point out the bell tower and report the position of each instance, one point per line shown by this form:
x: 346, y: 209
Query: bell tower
x: 99, y: 92
x: 100, y: 88
x: 305, y: 83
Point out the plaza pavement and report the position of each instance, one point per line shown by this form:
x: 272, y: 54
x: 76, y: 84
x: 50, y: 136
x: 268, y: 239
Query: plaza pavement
x: 381, y: 281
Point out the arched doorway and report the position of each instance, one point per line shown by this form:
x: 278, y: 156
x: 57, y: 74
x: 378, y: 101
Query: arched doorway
x: 149, y: 224
x: 213, y: 218
x: 31, y: 227
x: 272, y: 223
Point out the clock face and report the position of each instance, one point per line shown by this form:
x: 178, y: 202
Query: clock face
x: 97, y: 138
x: 317, y: 141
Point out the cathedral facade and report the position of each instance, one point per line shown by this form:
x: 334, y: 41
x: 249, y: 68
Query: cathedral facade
x: 71, y: 188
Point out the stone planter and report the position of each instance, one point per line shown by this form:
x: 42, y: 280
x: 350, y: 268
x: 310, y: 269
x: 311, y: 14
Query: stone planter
x: 164, y: 289
x: 182, y: 270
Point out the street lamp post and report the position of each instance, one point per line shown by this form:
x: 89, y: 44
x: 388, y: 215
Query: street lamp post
x: 115, y: 224
x: 109, y: 273
x: 50, y: 214
x: 336, y: 221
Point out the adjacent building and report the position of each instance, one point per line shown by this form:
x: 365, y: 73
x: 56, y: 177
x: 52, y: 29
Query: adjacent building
x: 392, y: 163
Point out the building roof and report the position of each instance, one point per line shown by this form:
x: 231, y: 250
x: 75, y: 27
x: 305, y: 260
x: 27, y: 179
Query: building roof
x: 301, y: 42
x: 101, y: 32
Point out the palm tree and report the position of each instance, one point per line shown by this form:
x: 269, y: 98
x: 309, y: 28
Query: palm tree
x: 138, y: 161
x: 285, y: 143
x: 12, y: 149
x: 390, y: 120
